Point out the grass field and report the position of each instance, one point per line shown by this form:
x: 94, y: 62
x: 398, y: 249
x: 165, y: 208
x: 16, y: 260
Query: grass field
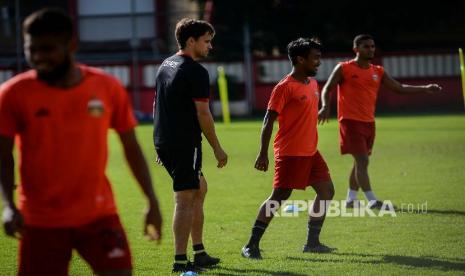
x: 416, y: 159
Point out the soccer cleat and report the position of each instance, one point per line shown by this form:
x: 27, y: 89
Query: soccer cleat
x: 189, y: 266
x: 205, y: 260
x: 380, y: 205
x: 251, y: 252
x: 320, y: 248
x: 353, y: 204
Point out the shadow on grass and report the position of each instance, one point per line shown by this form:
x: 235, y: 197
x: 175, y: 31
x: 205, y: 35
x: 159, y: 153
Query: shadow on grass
x: 425, y: 262
x: 359, y: 261
x: 432, y: 212
x: 417, y: 262
x: 445, y: 212
x: 232, y: 271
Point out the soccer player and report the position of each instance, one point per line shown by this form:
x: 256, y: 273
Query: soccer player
x: 181, y: 115
x: 358, y: 82
x: 298, y: 163
x: 61, y: 112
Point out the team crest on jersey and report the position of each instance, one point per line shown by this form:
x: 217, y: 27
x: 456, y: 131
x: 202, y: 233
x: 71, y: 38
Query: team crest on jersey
x: 95, y: 107
x: 375, y: 77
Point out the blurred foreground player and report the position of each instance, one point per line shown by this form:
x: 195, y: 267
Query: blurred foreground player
x: 61, y: 113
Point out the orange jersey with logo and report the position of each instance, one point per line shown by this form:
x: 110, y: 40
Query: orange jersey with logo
x: 357, y: 93
x: 63, y: 145
x: 297, y: 106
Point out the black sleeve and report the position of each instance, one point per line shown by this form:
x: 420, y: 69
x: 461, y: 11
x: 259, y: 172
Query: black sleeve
x: 200, y: 83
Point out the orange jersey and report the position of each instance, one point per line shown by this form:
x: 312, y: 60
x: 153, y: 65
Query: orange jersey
x: 297, y: 106
x: 357, y: 93
x: 63, y: 145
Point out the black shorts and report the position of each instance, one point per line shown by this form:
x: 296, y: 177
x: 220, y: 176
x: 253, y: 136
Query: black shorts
x: 184, y: 165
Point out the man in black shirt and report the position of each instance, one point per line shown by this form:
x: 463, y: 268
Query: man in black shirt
x: 181, y: 115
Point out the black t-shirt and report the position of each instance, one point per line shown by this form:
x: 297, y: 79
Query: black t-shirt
x: 179, y: 81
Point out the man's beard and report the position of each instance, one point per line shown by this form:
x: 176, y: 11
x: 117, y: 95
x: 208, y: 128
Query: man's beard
x: 369, y: 57
x: 57, y: 73
x: 311, y: 73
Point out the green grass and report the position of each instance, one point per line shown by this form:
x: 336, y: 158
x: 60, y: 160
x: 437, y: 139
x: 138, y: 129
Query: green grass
x: 416, y: 159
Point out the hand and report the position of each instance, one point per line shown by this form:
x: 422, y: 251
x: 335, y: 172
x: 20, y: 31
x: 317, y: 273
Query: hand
x: 221, y: 157
x: 433, y: 88
x: 323, y: 115
x: 13, y: 222
x: 261, y: 163
x: 153, y: 223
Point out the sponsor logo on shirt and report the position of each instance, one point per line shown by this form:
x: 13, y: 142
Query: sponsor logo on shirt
x: 169, y: 63
x: 375, y: 77
x: 95, y: 107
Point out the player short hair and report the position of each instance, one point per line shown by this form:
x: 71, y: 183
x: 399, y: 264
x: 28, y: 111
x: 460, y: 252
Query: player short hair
x: 195, y: 28
x: 360, y: 38
x: 301, y: 48
x: 49, y: 21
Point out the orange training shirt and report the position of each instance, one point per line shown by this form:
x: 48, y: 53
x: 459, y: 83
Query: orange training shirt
x: 297, y: 106
x: 357, y: 93
x: 63, y: 145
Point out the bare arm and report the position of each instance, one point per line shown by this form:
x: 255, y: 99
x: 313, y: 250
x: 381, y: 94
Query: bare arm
x: 139, y: 168
x: 261, y: 163
x: 12, y: 218
x: 334, y: 79
x: 397, y: 87
x: 208, y: 129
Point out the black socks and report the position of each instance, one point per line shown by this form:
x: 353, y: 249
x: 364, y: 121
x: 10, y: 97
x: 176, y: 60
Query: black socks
x: 199, y: 249
x: 313, y: 234
x: 257, y: 232
x: 180, y: 259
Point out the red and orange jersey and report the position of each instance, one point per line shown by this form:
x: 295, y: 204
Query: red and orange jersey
x: 63, y: 145
x: 297, y: 106
x: 358, y: 91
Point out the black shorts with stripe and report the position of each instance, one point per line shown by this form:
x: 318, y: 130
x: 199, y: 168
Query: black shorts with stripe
x: 184, y: 165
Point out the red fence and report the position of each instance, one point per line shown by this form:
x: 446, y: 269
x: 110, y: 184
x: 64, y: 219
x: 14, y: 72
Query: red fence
x: 441, y: 68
